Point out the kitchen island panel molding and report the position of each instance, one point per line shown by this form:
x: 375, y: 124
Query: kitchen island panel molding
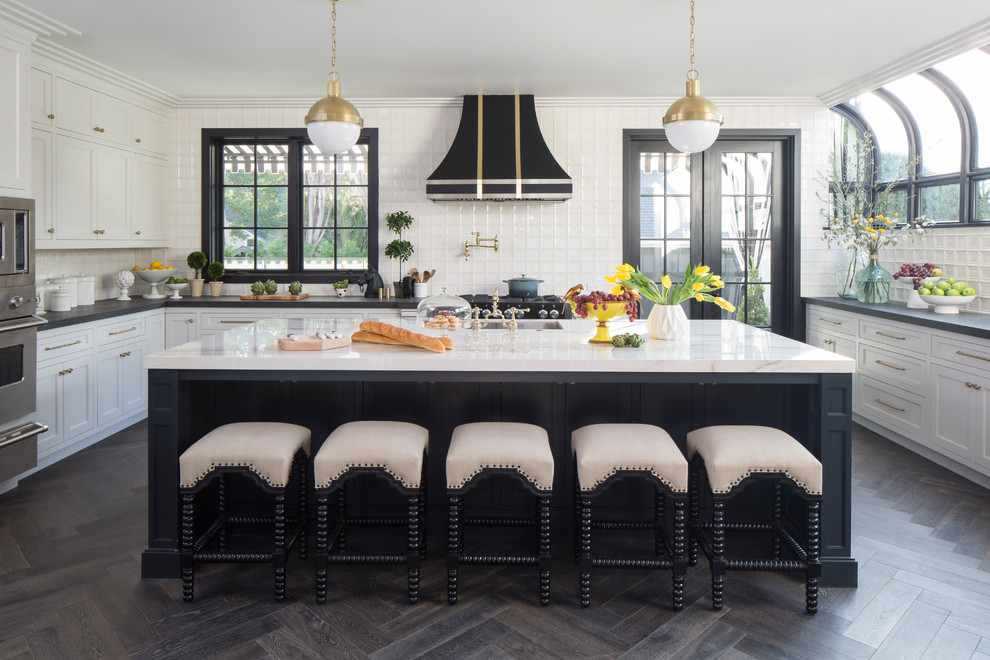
x: 573, y: 384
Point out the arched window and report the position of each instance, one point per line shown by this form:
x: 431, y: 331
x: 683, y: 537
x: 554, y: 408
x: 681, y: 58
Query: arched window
x: 934, y: 118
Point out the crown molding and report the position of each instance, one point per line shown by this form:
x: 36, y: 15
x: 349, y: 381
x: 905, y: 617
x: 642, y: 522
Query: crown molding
x: 968, y: 39
x: 32, y: 22
x: 46, y: 52
x: 545, y: 101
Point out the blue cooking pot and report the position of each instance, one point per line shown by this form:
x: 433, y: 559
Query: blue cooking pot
x: 523, y: 287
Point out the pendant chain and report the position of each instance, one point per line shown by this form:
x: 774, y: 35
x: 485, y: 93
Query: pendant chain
x: 692, y: 70
x: 333, y: 40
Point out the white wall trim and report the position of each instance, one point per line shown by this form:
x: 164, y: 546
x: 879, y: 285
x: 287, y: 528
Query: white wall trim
x: 48, y: 55
x: 968, y: 39
x: 455, y: 102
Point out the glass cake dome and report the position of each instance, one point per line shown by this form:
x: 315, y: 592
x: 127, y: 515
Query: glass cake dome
x: 443, y: 312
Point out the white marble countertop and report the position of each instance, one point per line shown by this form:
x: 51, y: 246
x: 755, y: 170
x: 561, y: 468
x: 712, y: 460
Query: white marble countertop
x: 713, y: 346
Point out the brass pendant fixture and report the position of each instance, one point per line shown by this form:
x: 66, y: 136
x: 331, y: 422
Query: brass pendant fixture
x: 692, y: 122
x: 333, y: 123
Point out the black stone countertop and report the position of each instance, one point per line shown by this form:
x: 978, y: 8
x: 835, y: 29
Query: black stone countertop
x: 105, y: 309
x: 974, y: 324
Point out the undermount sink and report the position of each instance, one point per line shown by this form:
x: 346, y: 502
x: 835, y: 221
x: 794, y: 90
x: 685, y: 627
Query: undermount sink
x: 524, y: 324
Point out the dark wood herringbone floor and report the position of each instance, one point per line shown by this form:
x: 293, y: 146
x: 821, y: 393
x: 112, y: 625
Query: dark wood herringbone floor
x: 70, y: 539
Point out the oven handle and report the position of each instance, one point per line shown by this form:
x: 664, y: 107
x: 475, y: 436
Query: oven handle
x: 20, y: 324
x: 22, y: 432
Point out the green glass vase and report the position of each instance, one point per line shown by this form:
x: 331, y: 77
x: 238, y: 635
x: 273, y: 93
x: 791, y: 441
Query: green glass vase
x: 873, y: 283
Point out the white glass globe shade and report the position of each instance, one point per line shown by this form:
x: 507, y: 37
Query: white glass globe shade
x: 333, y: 137
x: 691, y: 135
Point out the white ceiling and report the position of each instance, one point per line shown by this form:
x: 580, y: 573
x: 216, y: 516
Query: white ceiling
x: 266, y: 49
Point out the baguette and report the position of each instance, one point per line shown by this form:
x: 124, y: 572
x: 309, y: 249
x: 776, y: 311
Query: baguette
x: 405, y: 336
x: 372, y: 338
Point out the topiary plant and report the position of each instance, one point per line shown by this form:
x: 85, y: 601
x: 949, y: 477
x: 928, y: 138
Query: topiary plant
x: 271, y: 287
x: 397, y: 221
x: 215, y: 271
x: 295, y: 288
x: 258, y: 288
x: 197, y: 261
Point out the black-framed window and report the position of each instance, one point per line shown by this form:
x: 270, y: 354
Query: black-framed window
x: 274, y: 205
x: 936, y: 117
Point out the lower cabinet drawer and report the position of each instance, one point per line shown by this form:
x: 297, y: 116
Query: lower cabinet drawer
x: 901, y: 412
x: 894, y: 335
x: 230, y: 320
x: 117, y: 331
x: 963, y: 352
x: 900, y: 371
x: 832, y: 321
x: 56, y: 345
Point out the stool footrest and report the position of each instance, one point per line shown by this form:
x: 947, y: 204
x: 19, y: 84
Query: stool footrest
x: 631, y: 562
x: 366, y: 559
x: 646, y: 525
x: 384, y: 521
x: 504, y: 560
x: 499, y: 521
x: 232, y: 557
x: 778, y: 565
x: 742, y: 526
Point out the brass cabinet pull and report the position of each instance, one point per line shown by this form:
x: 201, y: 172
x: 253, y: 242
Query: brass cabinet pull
x: 125, y: 354
x: 71, y: 343
x: 822, y: 318
x: 884, y: 334
x: 98, y: 129
x: 892, y: 366
x: 51, y: 116
x: 65, y: 371
x: 973, y: 386
x: 978, y: 357
x: 137, y: 140
x: 51, y: 230
x: 884, y: 403
x: 192, y: 320
x: 99, y: 231
x: 120, y: 332
x: 137, y: 233
x: 828, y: 342
x: 226, y: 321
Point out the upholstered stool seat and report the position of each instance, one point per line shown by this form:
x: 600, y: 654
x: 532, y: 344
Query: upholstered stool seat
x: 606, y: 453
x: 266, y: 452
x: 393, y: 451
x: 732, y: 456
x: 483, y: 449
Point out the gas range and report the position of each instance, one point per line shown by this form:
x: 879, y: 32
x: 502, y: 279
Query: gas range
x: 540, y: 307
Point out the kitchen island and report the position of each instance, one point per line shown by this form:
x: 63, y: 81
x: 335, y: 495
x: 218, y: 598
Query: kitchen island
x: 724, y: 373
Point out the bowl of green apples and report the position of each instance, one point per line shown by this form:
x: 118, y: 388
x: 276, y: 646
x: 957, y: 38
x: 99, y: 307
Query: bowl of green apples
x: 946, y: 295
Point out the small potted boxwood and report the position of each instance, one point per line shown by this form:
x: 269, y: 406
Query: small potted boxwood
x: 400, y: 249
x: 215, y: 271
x: 197, y: 261
x: 340, y: 288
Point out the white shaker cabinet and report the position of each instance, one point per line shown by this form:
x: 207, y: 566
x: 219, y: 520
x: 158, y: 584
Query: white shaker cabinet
x: 66, y: 401
x: 181, y: 328
x: 41, y: 187
x: 90, y: 190
x: 42, y: 102
x: 149, y: 132
x: 148, y: 222
x: 91, y: 113
x: 120, y: 381
x: 15, y: 126
x: 958, y: 412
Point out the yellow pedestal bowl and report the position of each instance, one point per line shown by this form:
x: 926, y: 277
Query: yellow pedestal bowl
x: 605, y: 312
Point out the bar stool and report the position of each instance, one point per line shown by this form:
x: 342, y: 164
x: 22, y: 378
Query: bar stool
x: 393, y: 451
x: 267, y: 453
x: 483, y: 449
x: 607, y: 453
x: 733, y: 456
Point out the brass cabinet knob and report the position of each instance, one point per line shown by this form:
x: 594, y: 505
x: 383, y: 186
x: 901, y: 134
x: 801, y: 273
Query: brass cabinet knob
x: 51, y: 116
x: 191, y: 320
x: 96, y: 231
x: 51, y: 230
x: 138, y: 232
x: 137, y: 139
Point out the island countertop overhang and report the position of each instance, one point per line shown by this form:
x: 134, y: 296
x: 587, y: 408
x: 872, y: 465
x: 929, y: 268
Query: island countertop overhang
x: 725, y: 347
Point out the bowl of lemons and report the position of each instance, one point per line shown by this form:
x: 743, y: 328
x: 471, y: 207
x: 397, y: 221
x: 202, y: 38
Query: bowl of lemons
x: 154, y: 274
x: 946, y: 295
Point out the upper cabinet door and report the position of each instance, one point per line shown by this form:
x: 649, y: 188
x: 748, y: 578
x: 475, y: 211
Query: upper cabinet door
x: 42, y: 107
x: 91, y: 113
x: 14, y: 125
x: 149, y: 132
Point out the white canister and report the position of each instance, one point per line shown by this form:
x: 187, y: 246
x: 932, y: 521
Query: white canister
x: 421, y: 289
x: 69, y: 284
x: 86, y: 290
x: 58, y: 300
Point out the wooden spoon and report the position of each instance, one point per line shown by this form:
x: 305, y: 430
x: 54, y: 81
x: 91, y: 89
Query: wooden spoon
x: 428, y: 274
x: 415, y: 274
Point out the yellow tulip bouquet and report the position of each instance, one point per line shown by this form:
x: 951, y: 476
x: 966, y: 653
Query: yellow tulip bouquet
x: 698, y: 283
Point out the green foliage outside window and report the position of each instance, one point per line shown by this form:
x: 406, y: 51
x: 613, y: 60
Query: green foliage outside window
x: 754, y: 310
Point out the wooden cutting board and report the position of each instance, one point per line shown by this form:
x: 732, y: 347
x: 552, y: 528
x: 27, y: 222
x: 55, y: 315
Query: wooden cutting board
x: 311, y: 343
x: 276, y: 296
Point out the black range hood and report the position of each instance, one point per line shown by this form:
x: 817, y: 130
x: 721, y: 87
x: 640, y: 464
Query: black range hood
x: 499, y: 154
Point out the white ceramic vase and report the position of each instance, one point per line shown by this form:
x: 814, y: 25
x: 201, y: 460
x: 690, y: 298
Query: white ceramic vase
x: 667, y: 322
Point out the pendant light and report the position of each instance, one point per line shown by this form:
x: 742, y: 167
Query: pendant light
x: 333, y: 124
x: 692, y: 122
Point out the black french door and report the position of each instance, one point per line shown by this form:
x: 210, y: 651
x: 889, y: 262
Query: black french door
x: 732, y: 207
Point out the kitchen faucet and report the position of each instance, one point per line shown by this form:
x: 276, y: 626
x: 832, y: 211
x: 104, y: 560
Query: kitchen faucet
x: 495, y: 313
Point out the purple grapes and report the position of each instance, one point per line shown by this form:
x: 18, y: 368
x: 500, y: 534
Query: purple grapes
x: 917, y: 272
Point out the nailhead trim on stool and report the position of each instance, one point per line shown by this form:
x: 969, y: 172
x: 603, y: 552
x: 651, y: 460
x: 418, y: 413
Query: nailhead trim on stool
x: 483, y: 449
x: 393, y: 451
x: 606, y: 453
x: 266, y: 452
x: 732, y: 456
